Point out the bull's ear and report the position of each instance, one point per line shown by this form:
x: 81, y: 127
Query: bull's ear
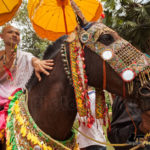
x: 80, y: 22
x: 80, y: 17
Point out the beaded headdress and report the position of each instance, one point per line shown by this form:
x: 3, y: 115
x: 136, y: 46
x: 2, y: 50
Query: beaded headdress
x: 125, y: 59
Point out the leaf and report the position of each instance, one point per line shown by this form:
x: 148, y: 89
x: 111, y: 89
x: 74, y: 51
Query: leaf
x: 131, y: 20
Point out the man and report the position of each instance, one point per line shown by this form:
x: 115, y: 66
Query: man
x: 16, y: 68
x: 95, y: 132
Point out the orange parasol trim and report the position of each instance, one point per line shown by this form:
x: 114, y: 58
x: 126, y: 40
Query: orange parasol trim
x: 54, y: 18
x: 98, y: 13
x: 5, y: 17
x: 50, y: 35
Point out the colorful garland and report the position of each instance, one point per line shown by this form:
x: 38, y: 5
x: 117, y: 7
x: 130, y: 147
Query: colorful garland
x: 80, y: 82
x: 100, y: 106
x: 24, y: 134
x: 2, y: 135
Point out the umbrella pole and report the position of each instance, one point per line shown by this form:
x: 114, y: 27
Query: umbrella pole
x: 65, y: 21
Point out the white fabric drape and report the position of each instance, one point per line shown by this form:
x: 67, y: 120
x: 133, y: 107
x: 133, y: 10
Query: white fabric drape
x: 21, y: 74
x: 95, y: 132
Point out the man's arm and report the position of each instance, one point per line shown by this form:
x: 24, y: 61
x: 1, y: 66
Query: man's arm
x: 42, y: 66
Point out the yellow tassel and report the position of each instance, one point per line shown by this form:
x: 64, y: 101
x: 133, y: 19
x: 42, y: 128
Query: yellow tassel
x: 76, y: 147
x: 144, y: 78
x: 39, y: 143
x: 9, y: 148
x: 34, y: 139
x: 49, y: 148
x: 44, y: 147
x: 23, y: 131
x: 20, y: 120
x: 140, y: 77
x: 147, y: 135
x: 2, y: 134
x: 17, y: 109
x: 10, y: 97
x: 29, y: 136
x: 148, y: 73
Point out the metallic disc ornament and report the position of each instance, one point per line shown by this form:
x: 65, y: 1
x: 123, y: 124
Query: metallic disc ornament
x: 84, y: 37
x: 37, y: 147
x: 107, y: 54
x: 128, y: 75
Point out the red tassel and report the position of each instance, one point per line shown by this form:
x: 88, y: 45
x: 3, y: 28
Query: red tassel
x: 91, y: 120
x: 103, y: 16
x: 8, y: 72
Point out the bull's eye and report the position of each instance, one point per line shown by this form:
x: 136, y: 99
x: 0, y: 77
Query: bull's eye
x: 106, y: 39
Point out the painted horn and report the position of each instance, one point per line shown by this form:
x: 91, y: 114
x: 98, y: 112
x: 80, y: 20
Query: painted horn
x: 80, y: 17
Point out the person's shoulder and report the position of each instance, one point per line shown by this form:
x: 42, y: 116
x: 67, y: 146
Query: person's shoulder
x: 23, y: 53
x: 24, y: 56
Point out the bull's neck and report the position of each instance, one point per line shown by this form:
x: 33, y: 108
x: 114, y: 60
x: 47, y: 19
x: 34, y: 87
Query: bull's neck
x: 52, y: 105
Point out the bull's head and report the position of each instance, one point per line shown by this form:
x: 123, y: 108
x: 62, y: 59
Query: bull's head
x: 124, y: 58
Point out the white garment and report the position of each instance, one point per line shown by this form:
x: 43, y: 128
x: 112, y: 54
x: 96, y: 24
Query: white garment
x: 95, y: 132
x: 21, y: 74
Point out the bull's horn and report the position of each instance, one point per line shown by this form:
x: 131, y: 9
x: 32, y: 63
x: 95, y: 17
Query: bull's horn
x: 80, y: 17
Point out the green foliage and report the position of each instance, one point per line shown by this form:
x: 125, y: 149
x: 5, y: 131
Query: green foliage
x: 131, y: 19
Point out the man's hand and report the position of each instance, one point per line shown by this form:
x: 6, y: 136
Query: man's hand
x: 145, y: 124
x: 42, y: 66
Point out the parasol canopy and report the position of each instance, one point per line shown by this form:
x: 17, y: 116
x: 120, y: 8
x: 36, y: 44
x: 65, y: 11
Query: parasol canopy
x: 54, y: 18
x: 8, y: 9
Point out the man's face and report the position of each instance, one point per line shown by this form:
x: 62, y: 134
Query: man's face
x: 11, y: 36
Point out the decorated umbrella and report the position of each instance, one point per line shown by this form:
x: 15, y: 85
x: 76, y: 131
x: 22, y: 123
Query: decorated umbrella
x: 54, y: 18
x: 8, y: 9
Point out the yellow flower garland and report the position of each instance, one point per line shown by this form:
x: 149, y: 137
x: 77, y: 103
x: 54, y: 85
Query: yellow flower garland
x: 18, y: 120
